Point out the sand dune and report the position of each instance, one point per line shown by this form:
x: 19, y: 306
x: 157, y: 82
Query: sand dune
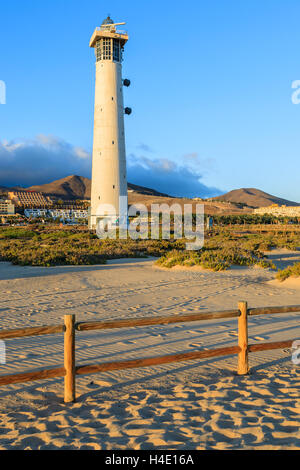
x: 190, y: 405
x: 292, y: 282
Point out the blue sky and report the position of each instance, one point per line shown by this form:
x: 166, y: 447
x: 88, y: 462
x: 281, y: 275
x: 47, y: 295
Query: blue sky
x: 211, y: 93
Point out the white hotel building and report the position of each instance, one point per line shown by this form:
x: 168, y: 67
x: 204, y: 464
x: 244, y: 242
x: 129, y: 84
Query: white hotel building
x: 62, y: 214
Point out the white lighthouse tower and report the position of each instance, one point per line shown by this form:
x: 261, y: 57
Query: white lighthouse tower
x: 109, y: 180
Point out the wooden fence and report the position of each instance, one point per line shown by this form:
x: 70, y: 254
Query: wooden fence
x: 70, y: 370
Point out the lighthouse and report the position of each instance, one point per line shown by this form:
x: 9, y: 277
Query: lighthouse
x: 109, y: 179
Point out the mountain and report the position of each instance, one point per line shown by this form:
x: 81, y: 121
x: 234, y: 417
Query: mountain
x: 4, y: 189
x: 252, y: 197
x: 71, y: 187
x: 79, y: 187
x: 237, y: 201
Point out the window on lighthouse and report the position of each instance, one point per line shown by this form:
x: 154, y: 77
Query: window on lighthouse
x: 98, y: 50
x: 116, y: 50
x: 103, y: 49
x: 106, y: 49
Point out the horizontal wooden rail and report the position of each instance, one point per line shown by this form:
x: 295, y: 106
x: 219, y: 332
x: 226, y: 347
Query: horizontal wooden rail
x: 31, y: 376
x: 271, y: 310
x: 69, y: 371
x: 269, y: 346
x: 154, y: 361
x: 135, y: 363
x: 35, y: 331
x: 134, y: 322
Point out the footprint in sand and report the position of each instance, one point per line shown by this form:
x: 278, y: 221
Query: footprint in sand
x: 92, y: 385
x: 28, y: 356
x: 127, y: 342
x: 287, y: 351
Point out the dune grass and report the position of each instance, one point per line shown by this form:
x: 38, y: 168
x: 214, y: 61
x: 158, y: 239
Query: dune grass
x: 215, y: 259
x: 44, y: 246
x: 290, y: 271
x: 227, y: 247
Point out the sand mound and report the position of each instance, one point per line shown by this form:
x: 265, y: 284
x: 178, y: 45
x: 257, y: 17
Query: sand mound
x: 180, y: 267
x: 292, y: 282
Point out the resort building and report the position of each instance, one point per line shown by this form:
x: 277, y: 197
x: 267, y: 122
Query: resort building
x: 7, y: 207
x: 62, y: 214
x: 29, y: 198
x: 66, y: 214
x: 279, y: 211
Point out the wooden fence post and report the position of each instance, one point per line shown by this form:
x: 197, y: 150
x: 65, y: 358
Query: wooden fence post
x: 69, y: 358
x: 243, y: 365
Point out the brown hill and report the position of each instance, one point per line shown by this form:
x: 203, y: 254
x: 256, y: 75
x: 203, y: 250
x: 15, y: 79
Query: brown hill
x: 4, y: 189
x: 234, y: 202
x: 253, y: 198
x: 79, y: 187
x: 210, y: 207
x: 71, y: 187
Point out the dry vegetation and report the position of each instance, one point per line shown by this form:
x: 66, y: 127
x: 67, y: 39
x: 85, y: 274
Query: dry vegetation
x: 226, y: 246
x: 52, y: 247
x: 290, y: 271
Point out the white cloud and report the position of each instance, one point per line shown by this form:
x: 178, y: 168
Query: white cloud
x: 41, y: 160
x: 47, y: 158
x: 169, y: 177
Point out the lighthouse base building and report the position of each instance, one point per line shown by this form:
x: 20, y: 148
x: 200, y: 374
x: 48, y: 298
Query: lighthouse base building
x: 109, y: 179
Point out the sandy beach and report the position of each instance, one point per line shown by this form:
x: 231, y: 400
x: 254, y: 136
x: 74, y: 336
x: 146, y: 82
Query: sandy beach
x: 190, y: 405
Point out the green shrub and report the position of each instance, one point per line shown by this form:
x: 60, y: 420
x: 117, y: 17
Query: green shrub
x: 46, y: 246
x: 288, y: 272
